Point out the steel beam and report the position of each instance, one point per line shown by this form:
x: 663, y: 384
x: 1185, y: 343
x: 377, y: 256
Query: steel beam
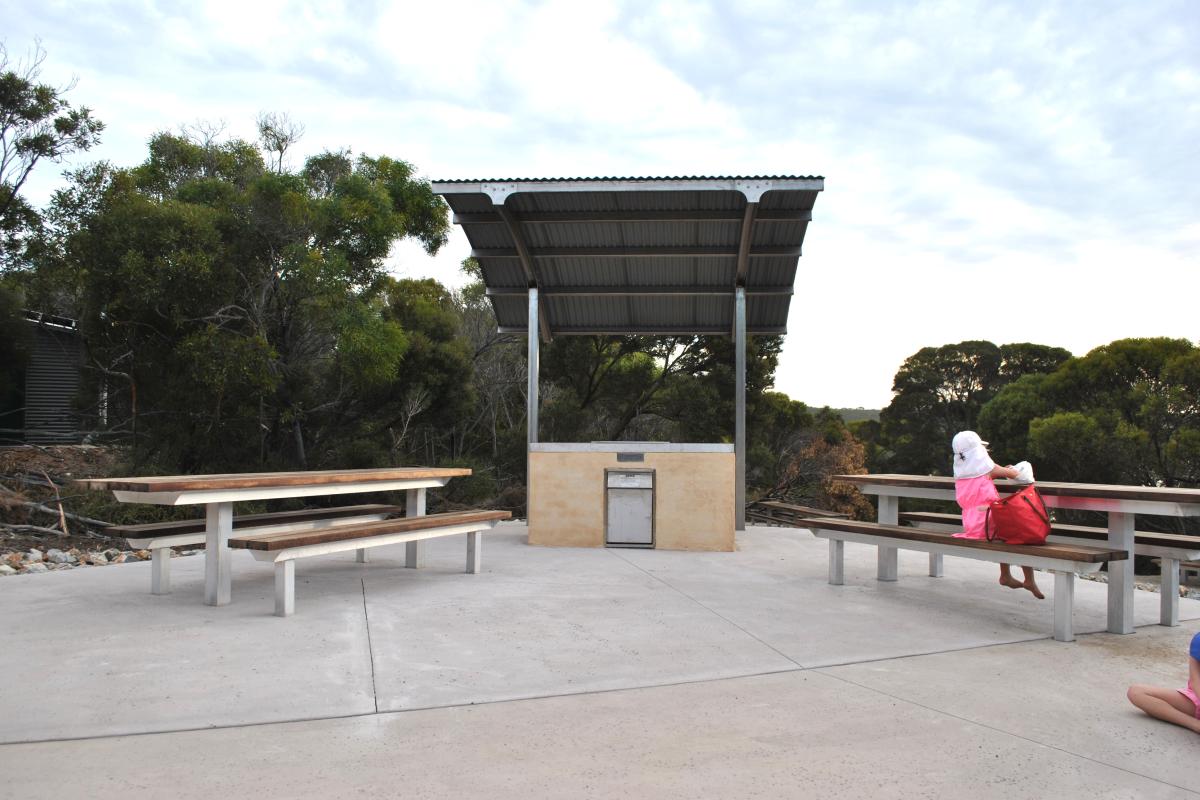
x: 747, y: 235
x: 568, y: 217
x: 638, y: 291
x: 632, y: 252
x: 522, y: 251
x: 644, y: 330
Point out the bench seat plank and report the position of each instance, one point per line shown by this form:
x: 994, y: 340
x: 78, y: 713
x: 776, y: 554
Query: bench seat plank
x: 283, y: 549
x: 156, y: 529
x: 287, y: 539
x: 1063, y: 559
x: 1064, y: 552
x: 1152, y: 538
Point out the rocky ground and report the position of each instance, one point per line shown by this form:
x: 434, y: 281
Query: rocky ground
x: 34, y: 561
x: 45, y: 523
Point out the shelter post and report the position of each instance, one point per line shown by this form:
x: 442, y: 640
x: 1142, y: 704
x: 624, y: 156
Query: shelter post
x: 739, y: 427
x: 532, y: 412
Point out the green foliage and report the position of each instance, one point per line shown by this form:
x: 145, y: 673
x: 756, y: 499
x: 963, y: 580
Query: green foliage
x: 36, y: 124
x: 241, y: 316
x: 940, y: 391
x: 1127, y: 412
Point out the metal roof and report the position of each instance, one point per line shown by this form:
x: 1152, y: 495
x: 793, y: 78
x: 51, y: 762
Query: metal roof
x: 654, y: 256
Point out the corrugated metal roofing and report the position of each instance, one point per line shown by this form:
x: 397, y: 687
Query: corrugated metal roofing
x: 636, y: 254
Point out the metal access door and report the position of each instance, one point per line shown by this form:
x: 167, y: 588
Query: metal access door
x: 629, y: 507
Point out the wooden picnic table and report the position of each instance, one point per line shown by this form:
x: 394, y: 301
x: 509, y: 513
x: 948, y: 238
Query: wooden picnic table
x: 218, y: 493
x: 1120, y: 503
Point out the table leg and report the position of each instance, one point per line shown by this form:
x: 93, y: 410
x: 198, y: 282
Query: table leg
x: 218, y: 526
x: 1168, y: 609
x: 414, y: 506
x: 1120, y: 574
x: 887, y: 563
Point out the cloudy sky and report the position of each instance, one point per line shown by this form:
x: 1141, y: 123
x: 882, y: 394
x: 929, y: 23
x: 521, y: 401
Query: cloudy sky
x: 1001, y: 171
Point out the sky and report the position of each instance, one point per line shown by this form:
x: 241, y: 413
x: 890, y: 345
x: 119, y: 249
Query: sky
x: 1003, y: 171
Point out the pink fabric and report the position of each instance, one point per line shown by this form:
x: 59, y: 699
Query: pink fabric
x: 1190, y: 695
x: 973, y: 496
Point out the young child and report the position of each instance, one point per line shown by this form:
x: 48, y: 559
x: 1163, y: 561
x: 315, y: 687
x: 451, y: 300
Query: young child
x: 1177, y: 706
x: 974, y: 490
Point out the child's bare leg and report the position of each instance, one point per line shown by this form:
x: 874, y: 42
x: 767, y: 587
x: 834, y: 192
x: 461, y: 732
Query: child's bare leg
x: 1006, y: 578
x: 1031, y: 584
x: 1165, y: 704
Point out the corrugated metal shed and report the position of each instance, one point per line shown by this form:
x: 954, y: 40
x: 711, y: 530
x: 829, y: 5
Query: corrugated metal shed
x: 52, y: 381
x: 655, y: 256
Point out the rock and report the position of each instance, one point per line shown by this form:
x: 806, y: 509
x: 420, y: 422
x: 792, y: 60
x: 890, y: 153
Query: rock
x: 99, y: 559
x: 14, y: 560
x: 144, y: 555
x: 5, y: 569
x: 59, y: 557
x: 36, y: 566
x: 34, y: 555
x: 111, y: 553
x: 118, y: 559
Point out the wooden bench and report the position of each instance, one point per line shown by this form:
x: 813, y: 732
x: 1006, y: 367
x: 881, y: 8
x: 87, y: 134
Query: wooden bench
x: 780, y: 513
x: 1064, y: 560
x: 283, y: 549
x: 1173, y: 549
x: 160, y: 537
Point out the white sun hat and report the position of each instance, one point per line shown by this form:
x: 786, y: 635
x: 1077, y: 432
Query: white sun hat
x: 971, y: 457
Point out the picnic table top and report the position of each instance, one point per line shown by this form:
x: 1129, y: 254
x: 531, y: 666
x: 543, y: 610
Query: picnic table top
x: 1163, y: 494
x: 252, y: 480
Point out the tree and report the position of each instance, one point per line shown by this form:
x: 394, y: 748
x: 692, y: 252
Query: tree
x: 36, y: 124
x: 940, y: 391
x: 245, y: 311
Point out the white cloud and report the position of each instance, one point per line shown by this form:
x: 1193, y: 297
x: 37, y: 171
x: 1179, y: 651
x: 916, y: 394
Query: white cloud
x: 970, y: 148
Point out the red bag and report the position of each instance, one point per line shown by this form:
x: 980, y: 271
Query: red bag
x: 1020, y: 518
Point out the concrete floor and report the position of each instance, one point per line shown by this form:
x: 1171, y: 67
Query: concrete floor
x: 582, y: 673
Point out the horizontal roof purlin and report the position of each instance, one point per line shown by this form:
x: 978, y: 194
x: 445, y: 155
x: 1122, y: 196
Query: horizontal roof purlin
x: 637, y: 254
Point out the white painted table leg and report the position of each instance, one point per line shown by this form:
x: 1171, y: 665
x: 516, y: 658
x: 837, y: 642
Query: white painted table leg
x: 285, y: 588
x: 160, y: 570
x: 414, y: 506
x: 1120, y: 574
x: 888, y: 568
x: 1064, y: 603
x: 935, y: 565
x: 837, y: 562
x: 474, y: 551
x: 1168, y: 612
x: 218, y: 524
x: 360, y: 555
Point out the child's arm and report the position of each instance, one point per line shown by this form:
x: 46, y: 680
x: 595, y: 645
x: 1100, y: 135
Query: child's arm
x: 1002, y: 472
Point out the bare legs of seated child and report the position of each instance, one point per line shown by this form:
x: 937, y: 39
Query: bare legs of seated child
x: 1007, y: 579
x: 1169, y: 705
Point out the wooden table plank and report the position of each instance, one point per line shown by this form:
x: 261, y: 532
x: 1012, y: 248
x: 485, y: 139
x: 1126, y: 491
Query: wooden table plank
x: 251, y: 480
x: 1157, y: 494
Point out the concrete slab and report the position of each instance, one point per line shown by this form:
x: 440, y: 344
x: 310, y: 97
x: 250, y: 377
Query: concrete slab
x: 90, y: 653
x: 790, y: 735
x: 777, y: 591
x: 1070, y: 698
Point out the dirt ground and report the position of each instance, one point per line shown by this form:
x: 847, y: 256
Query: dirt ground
x: 26, y: 471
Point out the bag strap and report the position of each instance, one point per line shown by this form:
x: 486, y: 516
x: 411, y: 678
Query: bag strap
x: 987, y: 524
x: 1045, y: 512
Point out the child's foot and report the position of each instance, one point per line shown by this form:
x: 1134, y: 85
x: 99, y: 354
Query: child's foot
x: 1032, y: 587
x: 1011, y: 582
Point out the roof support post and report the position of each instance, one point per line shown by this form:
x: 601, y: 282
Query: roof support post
x: 527, y: 264
x: 739, y: 427
x: 532, y: 401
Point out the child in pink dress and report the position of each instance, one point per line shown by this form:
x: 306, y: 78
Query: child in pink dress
x: 1178, y: 706
x: 974, y: 490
